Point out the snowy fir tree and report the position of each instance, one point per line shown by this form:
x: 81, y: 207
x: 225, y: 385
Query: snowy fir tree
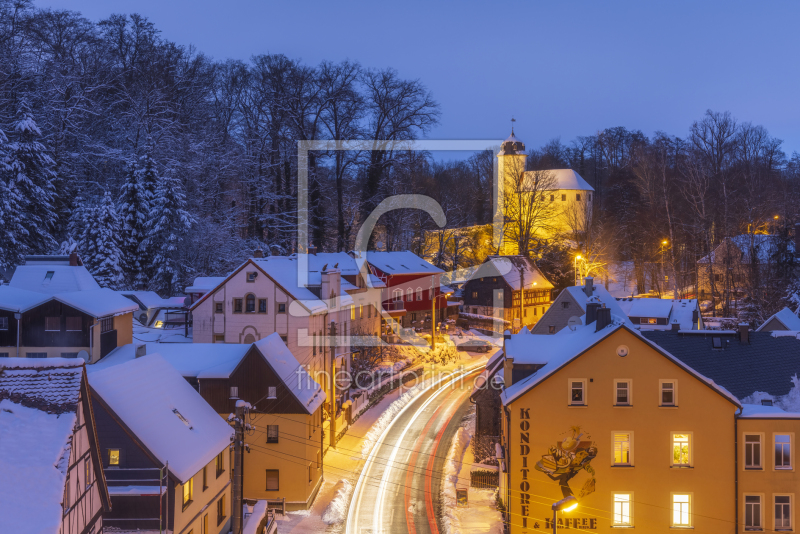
x: 29, y: 170
x: 101, y: 251
x: 12, y: 233
x: 134, y: 208
x: 168, y: 223
x: 148, y: 179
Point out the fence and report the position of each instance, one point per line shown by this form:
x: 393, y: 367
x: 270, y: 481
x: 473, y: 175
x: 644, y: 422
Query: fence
x: 484, y: 479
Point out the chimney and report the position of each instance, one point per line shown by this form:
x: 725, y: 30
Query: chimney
x: 258, y: 253
x: 141, y: 350
x: 603, y: 318
x: 676, y: 326
x: 312, y: 249
x: 695, y: 316
x: 73, y: 259
x: 591, y: 312
x: 744, y: 333
x: 588, y: 285
x: 508, y: 369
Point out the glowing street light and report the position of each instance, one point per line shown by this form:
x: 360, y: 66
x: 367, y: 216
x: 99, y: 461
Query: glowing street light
x: 577, y: 278
x: 567, y: 504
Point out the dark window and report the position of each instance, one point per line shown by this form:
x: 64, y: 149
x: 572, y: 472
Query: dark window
x: 282, y: 307
x: 577, y: 196
x: 106, y: 324
x: 565, y: 305
x: 237, y: 305
x: 52, y: 324
x: 3, y: 323
x: 73, y: 324
x: 563, y: 198
x: 221, y: 510
x: 251, y: 277
x: 219, y: 463
x: 234, y: 392
x: 285, y: 339
x: 716, y: 342
x: 262, y: 305
x: 251, y: 303
x: 36, y: 354
x: 273, y: 480
x: 3, y: 355
x: 552, y: 198
x: 552, y: 329
x: 590, y: 197
x: 272, y: 433
x: 219, y: 338
x: 69, y: 354
x: 218, y: 307
x: 205, y: 478
x: 49, y: 275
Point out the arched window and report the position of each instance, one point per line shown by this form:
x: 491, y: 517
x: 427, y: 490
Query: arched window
x: 398, y: 294
x: 409, y: 294
x: 249, y: 338
x: 419, y: 293
x: 250, y: 303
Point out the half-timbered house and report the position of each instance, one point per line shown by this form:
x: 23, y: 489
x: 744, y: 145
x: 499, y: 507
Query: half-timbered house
x: 52, y: 477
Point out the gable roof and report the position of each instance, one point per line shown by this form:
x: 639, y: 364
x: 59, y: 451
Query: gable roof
x: 35, y: 277
x: 96, y: 302
x: 600, y: 295
x: 400, y: 262
x: 565, y: 180
x: 164, y: 413
x: 786, y: 317
x: 766, y: 364
x: 509, y: 268
x: 556, y: 351
x: 765, y: 247
x: 38, y: 405
x: 293, y: 375
x: 151, y: 299
x: 197, y: 360
x: 204, y: 283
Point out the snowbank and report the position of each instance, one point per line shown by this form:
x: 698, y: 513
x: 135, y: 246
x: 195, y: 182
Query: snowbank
x: 789, y: 402
x: 336, y: 511
x: 254, y: 520
x: 391, y: 411
x: 452, y: 468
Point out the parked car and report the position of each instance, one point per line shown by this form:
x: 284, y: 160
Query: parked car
x: 476, y: 345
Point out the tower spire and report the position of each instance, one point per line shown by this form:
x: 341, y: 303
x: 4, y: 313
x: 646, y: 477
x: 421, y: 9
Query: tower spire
x: 513, y: 120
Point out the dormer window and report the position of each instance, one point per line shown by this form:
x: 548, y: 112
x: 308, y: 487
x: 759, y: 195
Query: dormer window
x: 49, y: 275
x: 716, y: 342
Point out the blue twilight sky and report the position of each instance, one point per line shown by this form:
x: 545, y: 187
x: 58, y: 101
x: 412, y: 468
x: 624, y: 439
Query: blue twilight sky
x: 563, y: 68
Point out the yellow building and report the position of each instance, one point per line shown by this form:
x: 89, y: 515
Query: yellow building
x: 638, y: 437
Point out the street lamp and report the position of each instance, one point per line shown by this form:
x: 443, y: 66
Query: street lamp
x: 433, y: 316
x: 577, y: 278
x: 567, y: 504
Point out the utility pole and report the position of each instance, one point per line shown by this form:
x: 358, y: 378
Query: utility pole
x: 333, y: 382
x: 521, y: 296
x: 240, y: 425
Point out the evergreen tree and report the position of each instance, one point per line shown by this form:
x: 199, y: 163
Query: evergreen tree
x: 147, y: 177
x: 134, y: 208
x: 29, y: 169
x: 12, y: 233
x: 169, y: 222
x: 100, y: 243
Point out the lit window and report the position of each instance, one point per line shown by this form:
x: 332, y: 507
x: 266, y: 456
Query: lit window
x: 113, y: 456
x: 159, y: 324
x: 622, y: 448
x: 681, y: 450
x: 272, y: 433
x: 577, y: 392
x: 651, y: 320
x: 622, y: 510
x: 783, y: 512
x: 681, y: 510
x: 752, y: 451
x: 622, y: 392
x: 668, y: 393
x: 187, y: 491
x: 474, y: 294
x: 752, y: 512
x: 352, y: 313
x: 783, y: 451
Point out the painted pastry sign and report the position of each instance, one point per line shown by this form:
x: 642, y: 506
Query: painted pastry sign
x: 563, y: 462
x: 568, y: 458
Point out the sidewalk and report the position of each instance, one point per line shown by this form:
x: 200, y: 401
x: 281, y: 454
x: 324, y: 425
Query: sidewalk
x: 346, y: 462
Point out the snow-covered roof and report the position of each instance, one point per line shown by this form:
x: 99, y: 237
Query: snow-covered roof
x: 553, y: 352
x: 151, y: 300
x: 646, y: 307
x: 284, y: 270
x: 164, y: 412
x: 564, y: 180
x: 600, y: 295
x: 294, y: 376
x: 786, y: 317
x: 35, y: 438
x: 400, y: 262
x: 509, y: 268
x: 338, y: 260
x: 95, y: 302
x: 64, y: 278
x: 375, y: 281
x: 765, y: 246
x: 198, y: 360
x: 759, y: 411
x: 203, y: 284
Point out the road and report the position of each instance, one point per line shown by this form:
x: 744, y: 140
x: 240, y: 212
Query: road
x: 399, y: 488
